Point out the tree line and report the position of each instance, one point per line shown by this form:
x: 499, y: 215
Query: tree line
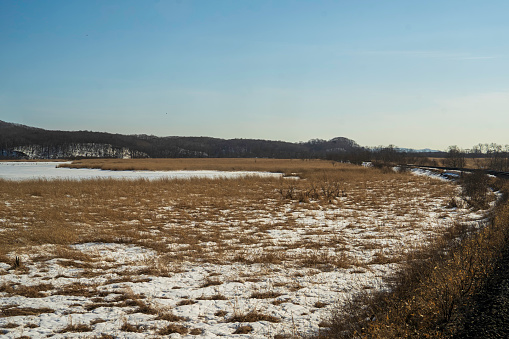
x: 483, y: 156
x: 18, y: 140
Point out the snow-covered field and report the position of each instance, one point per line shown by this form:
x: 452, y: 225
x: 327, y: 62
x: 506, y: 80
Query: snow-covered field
x: 208, y: 258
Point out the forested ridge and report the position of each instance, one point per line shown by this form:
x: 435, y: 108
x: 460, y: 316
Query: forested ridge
x: 20, y: 141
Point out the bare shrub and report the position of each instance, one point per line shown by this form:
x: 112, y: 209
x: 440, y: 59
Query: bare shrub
x: 326, y: 189
x: 475, y: 189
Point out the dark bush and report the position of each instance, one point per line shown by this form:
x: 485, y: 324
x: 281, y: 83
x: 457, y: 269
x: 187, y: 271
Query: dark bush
x: 475, y: 189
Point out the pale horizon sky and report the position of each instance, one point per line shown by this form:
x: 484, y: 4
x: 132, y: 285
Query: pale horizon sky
x: 417, y: 74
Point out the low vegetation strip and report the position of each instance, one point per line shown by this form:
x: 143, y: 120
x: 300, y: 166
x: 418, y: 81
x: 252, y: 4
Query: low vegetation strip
x: 438, y: 291
x: 218, y: 164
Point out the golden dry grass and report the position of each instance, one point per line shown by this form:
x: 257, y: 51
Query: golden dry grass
x: 337, y: 217
x: 218, y: 164
x: 431, y: 295
x: 180, y: 216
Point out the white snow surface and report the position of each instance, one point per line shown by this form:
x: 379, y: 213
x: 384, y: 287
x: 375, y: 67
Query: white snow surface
x: 428, y: 173
x: 49, y: 170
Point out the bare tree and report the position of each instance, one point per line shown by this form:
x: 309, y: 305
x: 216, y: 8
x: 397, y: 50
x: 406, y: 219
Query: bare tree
x: 455, y: 157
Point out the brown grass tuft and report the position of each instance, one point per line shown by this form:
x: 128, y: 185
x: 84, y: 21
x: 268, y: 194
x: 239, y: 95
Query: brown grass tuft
x: 186, y: 302
x: 253, y: 316
x: 173, y: 328
x: 244, y: 329
x: 196, y: 331
x: 169, y: 316
x: 126, y: 327
x: 211, y: 282
x: 265, y: 295
x: 217, y: 296
x: 220, y: 313
x: 13, y: 311
x: 76, y: 328
x: 319, y: 304
x: 10, y: 325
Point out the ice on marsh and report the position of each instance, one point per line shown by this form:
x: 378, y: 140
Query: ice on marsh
x: 49, y: 171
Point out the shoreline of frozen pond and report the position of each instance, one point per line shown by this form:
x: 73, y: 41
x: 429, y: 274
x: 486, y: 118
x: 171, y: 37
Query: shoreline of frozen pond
x: 19, y: 171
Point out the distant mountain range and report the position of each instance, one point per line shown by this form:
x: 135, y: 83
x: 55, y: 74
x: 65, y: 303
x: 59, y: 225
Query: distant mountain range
x: 423, y: 150
x: 20, y: 141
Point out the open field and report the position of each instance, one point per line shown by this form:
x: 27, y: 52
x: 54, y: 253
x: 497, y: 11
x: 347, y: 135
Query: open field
x: 260, y: 256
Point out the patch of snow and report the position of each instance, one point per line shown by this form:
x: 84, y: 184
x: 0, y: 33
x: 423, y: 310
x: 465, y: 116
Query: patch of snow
x: 429, y: 173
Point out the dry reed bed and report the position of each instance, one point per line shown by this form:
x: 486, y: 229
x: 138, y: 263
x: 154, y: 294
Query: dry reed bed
x: 216, y: 253
x: 218, y: 164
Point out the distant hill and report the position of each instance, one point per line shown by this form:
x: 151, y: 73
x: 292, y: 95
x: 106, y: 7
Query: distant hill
x: 20, y: 141
x: 423, y: 150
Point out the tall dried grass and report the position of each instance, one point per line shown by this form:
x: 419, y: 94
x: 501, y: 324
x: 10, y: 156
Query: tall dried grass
x: 166, y: 214
x: 219, y: 164
x: 218, y: 221
x: 430, y: 296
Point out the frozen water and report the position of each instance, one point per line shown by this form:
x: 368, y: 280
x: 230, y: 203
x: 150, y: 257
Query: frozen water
x: 49, y: 170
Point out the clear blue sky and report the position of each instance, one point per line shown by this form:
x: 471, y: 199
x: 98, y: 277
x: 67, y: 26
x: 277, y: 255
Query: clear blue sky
x: 410, y: 73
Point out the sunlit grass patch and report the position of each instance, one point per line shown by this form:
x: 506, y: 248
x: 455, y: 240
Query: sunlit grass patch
x: 173, y: 328
x: 14, y: 310
x: 253, y: 316
x: 76, y: 328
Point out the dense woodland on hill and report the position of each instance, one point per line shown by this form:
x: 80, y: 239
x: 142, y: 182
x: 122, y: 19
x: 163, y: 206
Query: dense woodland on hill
x: 24, y: 142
